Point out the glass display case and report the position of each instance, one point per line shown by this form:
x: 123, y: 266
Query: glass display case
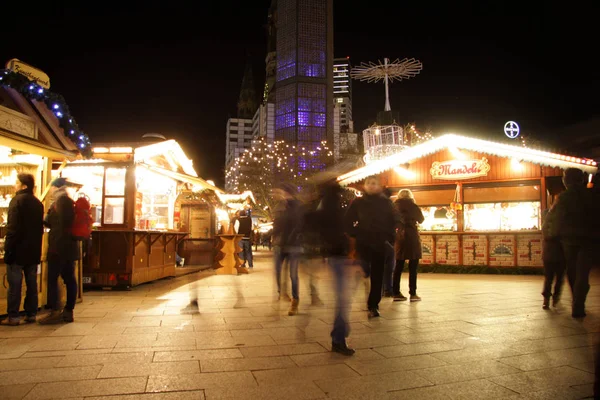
x: 157, y: 195
x: 505, y: 216
x: 438, y: 219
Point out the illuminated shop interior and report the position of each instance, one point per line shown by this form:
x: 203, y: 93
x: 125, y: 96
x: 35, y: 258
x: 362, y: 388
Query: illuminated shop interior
x: 13, y: 162
x: 105, y: 188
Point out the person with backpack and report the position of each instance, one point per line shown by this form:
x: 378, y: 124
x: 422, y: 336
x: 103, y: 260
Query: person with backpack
x: 62, y: 253
x: 23, y: 249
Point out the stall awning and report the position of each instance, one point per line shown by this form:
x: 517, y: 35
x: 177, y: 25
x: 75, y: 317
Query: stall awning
x: 34, y: 147
x: 182, y: 177
x: 411, y: 154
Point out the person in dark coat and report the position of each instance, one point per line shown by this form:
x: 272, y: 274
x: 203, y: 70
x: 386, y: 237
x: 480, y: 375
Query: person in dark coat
x: 287, y: 238
x: 408, y: 244
x: 23, y: 249
x: 62, y: 253
x: 244, y: 228
x: 328, y: 220
x: 554, y: 261
x: 576, y: 225
x: 370, y: 221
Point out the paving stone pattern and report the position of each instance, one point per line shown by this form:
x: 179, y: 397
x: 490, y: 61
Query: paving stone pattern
x: 472, y: 337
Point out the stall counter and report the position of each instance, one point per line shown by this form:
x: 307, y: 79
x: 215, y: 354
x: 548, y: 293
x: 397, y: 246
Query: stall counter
x: 126, y: 258
x: 497, y: 249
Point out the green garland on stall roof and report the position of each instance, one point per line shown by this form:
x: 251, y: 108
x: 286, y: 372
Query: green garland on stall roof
x: 55, y: 103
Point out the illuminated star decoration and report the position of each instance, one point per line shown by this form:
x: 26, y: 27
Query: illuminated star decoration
x: 387, y: 72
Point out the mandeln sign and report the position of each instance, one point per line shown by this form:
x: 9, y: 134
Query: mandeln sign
x: 459, y: 169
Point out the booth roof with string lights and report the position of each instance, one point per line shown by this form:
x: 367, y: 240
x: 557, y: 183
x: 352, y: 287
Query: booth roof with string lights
x: 482, y: 200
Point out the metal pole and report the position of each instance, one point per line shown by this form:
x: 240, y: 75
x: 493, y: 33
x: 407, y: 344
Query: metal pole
x: 387, y: 92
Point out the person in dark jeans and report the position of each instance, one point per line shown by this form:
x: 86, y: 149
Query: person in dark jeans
x: 554, y: 262
x: 62, y: 253
x: 370, y: 221
x: 577, y: 226
x: 244, y: 222
x: 408, y: 245
x: 23, y: 249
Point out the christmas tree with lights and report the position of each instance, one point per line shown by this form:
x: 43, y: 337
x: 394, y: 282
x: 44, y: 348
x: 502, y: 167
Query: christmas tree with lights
x: 265, y: 165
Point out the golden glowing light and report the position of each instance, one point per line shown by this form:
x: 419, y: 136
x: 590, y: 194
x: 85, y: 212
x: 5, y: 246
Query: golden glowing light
x: 405, y: 173
x: 516, y: 164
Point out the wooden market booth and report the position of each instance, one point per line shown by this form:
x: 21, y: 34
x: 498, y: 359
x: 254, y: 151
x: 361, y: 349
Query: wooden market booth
x: 482, y: 200
x: 144, y: 208
x: 31, y: 140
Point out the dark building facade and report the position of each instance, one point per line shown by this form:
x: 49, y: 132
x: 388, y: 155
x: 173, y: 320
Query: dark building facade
x: 247, y: 104
x: 304, y: 74
x: 342, y: 92
x: 271, y: 59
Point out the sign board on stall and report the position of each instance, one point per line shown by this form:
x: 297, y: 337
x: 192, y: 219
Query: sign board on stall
x: 14, y: 122
x: 31, y: 73
x: 459, y: 169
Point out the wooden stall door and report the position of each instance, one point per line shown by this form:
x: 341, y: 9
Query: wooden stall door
x: 197, y: 221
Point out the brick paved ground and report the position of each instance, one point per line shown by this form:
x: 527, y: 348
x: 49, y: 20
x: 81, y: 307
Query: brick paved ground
x: 472, y: 337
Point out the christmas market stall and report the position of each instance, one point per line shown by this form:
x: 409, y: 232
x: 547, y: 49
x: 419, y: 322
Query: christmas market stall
x: 36, y: 130
x: 482, y: 201
x: 146, y: 200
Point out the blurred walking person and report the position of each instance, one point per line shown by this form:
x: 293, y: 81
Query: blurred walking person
x: 329, y: 222
x: 62, y: 253
x: 287, y: 239
x: 408, y: 244
x: 23, y: 249
x: 370, y: 221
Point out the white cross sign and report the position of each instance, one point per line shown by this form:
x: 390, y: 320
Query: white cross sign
x: 511, y: 129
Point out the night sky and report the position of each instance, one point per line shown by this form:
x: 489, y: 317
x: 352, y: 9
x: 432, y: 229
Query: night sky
x: 146, y: 67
